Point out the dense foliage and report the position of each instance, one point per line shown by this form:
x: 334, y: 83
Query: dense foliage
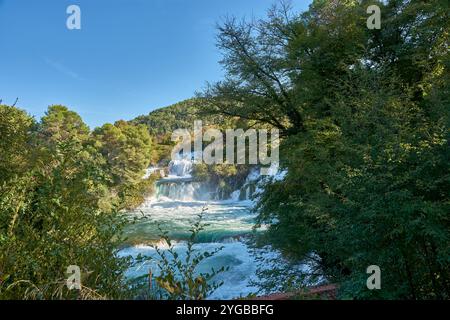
x: 61, y: 189
x: 364, y: 116
x: 127, y: 150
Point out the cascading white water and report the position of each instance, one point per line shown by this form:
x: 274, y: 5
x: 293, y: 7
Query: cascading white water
x: 182, y: 191
x: 179, y: 186
x: 254, y: 183
x: 180, y: 168
x: 176, y: 206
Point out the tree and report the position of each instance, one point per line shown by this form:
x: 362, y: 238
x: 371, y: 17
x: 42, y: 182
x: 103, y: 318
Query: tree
x: 257, y: 82
x: 60, y: 124
x: 15, y: 128
x: 51, y: 213
x: 279, y: 69
x: 127, y: 150
x: 365, y: 120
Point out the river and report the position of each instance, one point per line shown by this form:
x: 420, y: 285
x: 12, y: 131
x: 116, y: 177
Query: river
x: 175, y: 207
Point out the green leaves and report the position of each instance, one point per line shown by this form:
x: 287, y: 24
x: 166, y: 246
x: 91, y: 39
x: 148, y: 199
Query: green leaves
x: 368, y: 164
x: 127, y: 150
x: 57, y: 207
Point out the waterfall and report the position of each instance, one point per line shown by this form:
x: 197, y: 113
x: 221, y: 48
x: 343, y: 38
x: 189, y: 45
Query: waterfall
x: 248, y: 188
x: 151, y: 170
x: 180, y: 168
x: 179, y: 185
x: 255, y: 182
x: 176, y: 204
x: 181, y: 190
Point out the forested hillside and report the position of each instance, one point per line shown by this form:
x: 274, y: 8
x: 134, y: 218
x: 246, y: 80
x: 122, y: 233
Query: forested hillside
x: 162, y: 122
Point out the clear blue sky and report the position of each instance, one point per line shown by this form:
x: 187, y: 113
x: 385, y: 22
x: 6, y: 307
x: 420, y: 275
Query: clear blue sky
x: 130, y: 57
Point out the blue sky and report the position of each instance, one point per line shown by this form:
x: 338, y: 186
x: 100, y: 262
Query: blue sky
x: 130, y: 56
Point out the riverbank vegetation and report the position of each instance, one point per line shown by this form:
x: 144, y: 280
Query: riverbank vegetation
x: 61, y: 191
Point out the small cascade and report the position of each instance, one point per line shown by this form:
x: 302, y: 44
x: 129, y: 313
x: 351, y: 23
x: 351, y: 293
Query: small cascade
x: 254, y: 183
x: 181, y: 190
x: 180, y: 168
x: 235, y: 195
x: 178, y: 185
x: 152, y: 170
x: 248, y: 189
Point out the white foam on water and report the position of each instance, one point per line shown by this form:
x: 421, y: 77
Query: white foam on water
x: 228, y: 213
x: 235, y: 195
x: 235, y: 255
x: 181, y: 166
x: 176, y: 206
